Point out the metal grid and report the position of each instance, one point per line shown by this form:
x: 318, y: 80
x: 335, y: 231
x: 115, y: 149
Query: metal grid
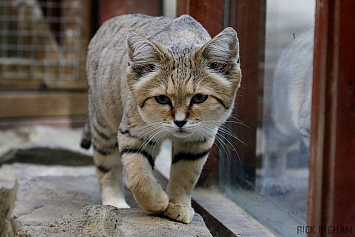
x: 40, y: 39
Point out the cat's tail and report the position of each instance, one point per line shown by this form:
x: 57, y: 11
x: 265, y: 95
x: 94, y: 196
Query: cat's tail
x: 86, y: 135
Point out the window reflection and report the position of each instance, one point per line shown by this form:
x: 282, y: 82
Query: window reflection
x: 287, y: 117
x: 287, y: 97
x: 287, y: 104
x: 281, y: 189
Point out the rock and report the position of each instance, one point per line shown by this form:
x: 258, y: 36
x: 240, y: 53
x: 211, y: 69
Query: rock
x: 61, y: 205
x: 43, y: 145
x: 58, y: 193
x: 49, y: 192
x: 8, y: 198
x: 110, y: 221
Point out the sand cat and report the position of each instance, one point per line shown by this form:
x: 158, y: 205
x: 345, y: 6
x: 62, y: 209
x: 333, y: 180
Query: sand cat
x: 288, y: 114
x: 152, y: 79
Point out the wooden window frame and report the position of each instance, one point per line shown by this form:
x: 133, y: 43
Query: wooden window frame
x: 332, y: 153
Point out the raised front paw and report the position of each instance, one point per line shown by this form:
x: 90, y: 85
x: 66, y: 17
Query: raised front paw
x: 179, y: 212
x: 152, y: 201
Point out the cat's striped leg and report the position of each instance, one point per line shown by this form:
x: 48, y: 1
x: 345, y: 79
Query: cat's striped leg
x: 110, y: 176
x: 188, y: 161
x: 138, y: 161
x: 108, y: 167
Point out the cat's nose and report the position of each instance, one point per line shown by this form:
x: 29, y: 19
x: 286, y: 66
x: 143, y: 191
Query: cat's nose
x: 180, y: 123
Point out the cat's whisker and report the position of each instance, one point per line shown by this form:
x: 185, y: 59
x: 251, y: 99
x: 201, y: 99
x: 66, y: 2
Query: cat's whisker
x: 229, y: 145
x: 221, y: 140
x: 156, y: 131
x: 160, y: 133
x: 146, y: 131
x: 238, y: 121
x: 225, y: 129
x: 231, y: 134
x: 222, y: 146
x: 157, y: 135
x: 148, y: 127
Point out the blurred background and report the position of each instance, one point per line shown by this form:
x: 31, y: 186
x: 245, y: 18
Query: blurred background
x: 43, y: 46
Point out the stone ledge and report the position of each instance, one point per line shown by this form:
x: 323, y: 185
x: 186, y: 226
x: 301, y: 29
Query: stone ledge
x: 61, y: 205
x: 58, y: 195
x: 98, y: 220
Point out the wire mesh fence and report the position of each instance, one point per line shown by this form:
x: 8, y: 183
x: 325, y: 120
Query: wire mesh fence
x: 40, y: 39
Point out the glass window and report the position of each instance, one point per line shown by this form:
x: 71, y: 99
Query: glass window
x: 279, y: 198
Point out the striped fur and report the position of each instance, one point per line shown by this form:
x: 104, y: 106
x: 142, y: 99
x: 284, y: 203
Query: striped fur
x: 152, y: 79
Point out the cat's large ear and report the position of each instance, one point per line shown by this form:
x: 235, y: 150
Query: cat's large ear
x: 143, y: 55
x: 222, y: 52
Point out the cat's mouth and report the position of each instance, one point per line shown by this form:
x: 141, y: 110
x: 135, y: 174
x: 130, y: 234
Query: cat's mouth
x: 181, y: 133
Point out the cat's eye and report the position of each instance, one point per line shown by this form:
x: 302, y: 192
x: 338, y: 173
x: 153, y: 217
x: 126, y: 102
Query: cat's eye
x: 199, y: 98
x: 162, y: 99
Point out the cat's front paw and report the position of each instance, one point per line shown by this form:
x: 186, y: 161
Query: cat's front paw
x: 155, y: 202
x: 179, y: 212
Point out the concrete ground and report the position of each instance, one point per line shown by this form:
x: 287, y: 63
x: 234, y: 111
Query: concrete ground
x: 58, y: 194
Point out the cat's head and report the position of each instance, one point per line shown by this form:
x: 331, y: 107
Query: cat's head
x: 187, y: 91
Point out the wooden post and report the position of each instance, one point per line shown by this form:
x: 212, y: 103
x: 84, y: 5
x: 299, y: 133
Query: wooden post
x: 209, y: 13
x: 111, y: 8
x: 202, y: 10
x: 332, y: 152
x: 245, y: 17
